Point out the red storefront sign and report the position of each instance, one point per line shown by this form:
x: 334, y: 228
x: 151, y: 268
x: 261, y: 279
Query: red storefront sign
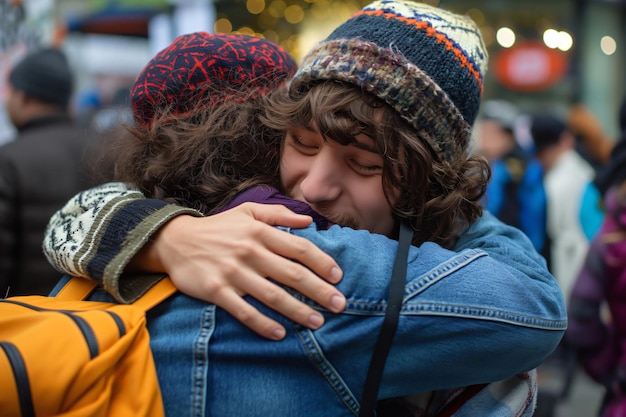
x: 530, y: 66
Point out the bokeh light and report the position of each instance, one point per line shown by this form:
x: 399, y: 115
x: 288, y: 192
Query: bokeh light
x: 608, y: 45
x: 255, y: 6
x: 505, y: 37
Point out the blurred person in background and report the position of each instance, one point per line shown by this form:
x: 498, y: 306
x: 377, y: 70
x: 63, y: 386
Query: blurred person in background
x: 515, y: 193
x: 595, y: 145
x: 39, y: 171
x: 597, y: 334
x: 614, y: 172
x: 566, y: 175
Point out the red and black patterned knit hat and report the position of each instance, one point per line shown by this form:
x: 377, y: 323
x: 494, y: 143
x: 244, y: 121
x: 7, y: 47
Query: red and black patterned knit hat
x: 208, y: 69
x: 427, y: 63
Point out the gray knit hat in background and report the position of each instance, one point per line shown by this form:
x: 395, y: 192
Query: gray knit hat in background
x: 45, y: 75
x: 425, y: 62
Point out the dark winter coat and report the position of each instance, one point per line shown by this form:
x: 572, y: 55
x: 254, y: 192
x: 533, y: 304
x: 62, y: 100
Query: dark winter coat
x: 39, y: 172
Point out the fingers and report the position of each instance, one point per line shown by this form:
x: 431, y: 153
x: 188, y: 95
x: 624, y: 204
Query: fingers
x: 276, y: 215
x: 303, y: 280
x: 244, y: 312
x: 291, y: 246
x: 305, y: 252
x: 270, y: 294
x: 278, y: 299
x: 311, y: 264
x: 225, y: 294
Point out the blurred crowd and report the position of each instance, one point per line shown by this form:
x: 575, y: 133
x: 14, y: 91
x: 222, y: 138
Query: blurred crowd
x: 559, y: 177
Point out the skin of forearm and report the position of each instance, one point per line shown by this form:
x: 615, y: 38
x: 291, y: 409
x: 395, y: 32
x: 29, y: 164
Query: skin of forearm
x: 149, y: 257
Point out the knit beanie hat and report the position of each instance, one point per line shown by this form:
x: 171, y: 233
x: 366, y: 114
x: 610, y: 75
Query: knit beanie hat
x: 426, y: 63
x: 208, y: 69
x: 45, y: 75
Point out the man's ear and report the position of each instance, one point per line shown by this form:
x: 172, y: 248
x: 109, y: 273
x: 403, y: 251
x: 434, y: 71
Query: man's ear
x: 20, y: 97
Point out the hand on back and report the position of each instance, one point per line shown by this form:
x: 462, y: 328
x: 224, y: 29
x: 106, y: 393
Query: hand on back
x: 231, y: 255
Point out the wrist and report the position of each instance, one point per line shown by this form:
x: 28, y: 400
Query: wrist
x: 153, y: 256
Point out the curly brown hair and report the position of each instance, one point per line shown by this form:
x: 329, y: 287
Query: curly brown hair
x: 438, y: 198
x: 203, y: 159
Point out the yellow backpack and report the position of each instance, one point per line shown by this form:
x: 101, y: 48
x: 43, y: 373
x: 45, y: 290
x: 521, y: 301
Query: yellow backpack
x: 64, y: 356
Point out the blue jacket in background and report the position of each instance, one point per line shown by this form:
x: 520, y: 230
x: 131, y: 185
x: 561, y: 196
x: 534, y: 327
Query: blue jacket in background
x: 516, y: 196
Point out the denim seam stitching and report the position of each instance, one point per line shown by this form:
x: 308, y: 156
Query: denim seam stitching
x: 201, y: 362
x: 316, y: 356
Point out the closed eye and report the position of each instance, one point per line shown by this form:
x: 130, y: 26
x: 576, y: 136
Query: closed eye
x: 366, y: 169
x: 297, y: 140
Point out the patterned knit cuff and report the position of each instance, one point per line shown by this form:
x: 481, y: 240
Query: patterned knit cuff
x: 127, y: 230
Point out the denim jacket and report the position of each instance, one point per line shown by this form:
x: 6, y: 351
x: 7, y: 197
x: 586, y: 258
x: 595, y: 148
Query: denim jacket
x: 468, y: 317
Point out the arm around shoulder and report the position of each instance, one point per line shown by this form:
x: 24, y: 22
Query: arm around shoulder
x: 99, y: 231
x: 463, y: 310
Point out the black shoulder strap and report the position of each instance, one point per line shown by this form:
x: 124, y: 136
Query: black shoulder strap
x: 390, y: 324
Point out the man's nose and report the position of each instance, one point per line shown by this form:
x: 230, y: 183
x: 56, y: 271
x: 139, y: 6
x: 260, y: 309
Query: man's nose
x: 322, y: 182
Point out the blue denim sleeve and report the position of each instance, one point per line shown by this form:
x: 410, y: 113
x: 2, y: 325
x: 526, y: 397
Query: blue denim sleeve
x: 467, y: 317
x: 506, y: 244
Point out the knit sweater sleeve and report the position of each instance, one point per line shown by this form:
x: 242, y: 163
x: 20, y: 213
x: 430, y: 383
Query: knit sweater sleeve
x: 97, y: 233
